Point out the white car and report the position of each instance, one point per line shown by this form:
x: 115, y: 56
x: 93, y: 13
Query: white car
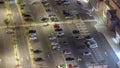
x: 67, y: 52
x: 52, y: 38
x: 68, y: 17
x: 33, y: 37
x: 50, y: 35
x: 54, y: 43
x: 59, y: 34
x: 66, y: 3
x: 9, y: 31
x: 32, y: 34
x: 59, y: 66
x: 56, y: 47
x: 92, y: 44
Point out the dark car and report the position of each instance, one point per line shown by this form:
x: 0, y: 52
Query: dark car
x: 26, y: 15
x: 37, y: 51
x: 78, y: 38
x: 78, y: 2
x: 32, y: 31
x: 65, y: 42
x: 59, y: 2
x: 69, y: 59
x: 38, y: 59
x: 89, y: 37
x: 58, y: 29
x: 76, y: 32
x: 48, y: 10
x: 66, y: 13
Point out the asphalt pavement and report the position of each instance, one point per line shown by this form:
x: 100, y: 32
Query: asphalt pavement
x: 22, y: 45
x: 6, y: 50
x: 104, y: 47
x: 52, y: 58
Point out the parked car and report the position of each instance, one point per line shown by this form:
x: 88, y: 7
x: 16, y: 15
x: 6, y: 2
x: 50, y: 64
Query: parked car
x: 58, y: 29
x: 54, y: 43
x: 56, y: 26
x: 66, y: 3
x: 51, y: 35
x: 59, y: 66
x: 52, y: 38
x: 48, y: 10
x: 87, y: 53
x: 60, y: 34
x: 92, y: 44
x: 76, y: 32
x: 32, y: 34
x: 38, y: 59
x: 65, y: 42
x: 66, y: 51
x: 78, y: 38
x: 56, y: 47
x: 9, y: 31
x: 37, y: 51
x: 89, y: 37
x: 69, y: 59
x: 68, y: 17
x: 33, y: 37
x: 70, y: 66
x: 79, y: 2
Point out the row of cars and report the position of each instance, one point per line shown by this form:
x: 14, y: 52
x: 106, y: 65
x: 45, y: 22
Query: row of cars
x: 32, y: 35
x: 65, y: 2
x: 53, y: 37
x: 90, y: 41
x: 66, y: 51
x: 48, y: 9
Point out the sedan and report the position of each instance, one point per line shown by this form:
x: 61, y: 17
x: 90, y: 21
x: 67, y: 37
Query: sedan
x: 89, y: 37
x: 86, y: 53
x: 37, y: 51
x: 65, y: 42
x: 56, y: 26
x: 58, y: 29
x: 52, y: 38
x: 60, y: 34
x: 78, y: 38
x: 54, y: 43
x: 76, y: 32
x: 56, y: 47
x: 9, y: 31
x: 38, y: 59
x: 69, y: 59
x: 67, y: 51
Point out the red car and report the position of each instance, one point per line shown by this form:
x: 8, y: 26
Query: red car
x: 56, y: 26
x: 70, y: 66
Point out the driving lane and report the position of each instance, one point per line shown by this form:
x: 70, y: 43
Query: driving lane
x: 22, y: 45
